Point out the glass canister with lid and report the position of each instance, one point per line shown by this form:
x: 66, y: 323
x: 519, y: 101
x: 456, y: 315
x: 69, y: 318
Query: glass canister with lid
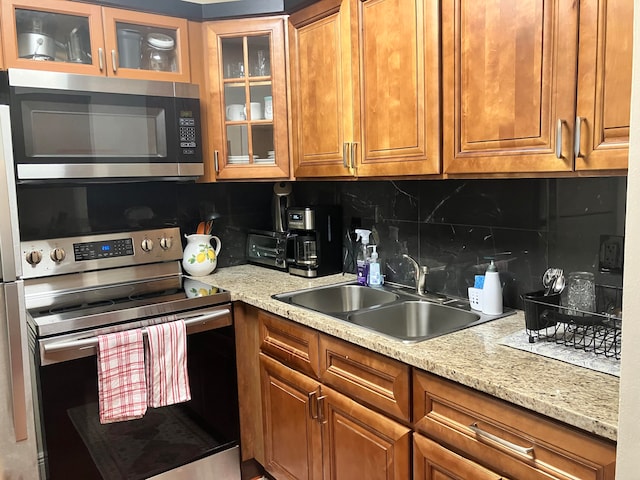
x: 159, y: 53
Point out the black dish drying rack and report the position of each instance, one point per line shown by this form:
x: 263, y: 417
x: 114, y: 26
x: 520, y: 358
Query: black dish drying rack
x: 549, y: 321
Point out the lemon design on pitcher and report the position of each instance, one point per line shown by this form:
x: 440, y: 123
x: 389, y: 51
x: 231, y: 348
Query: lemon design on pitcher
x: 205, y: 253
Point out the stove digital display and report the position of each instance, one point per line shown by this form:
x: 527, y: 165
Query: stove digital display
x: 105, y: 249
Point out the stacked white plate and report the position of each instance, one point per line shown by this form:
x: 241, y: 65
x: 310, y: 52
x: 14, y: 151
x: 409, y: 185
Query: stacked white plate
x: 271, y: 155
x: 263, y: 161
x: 238, y: 159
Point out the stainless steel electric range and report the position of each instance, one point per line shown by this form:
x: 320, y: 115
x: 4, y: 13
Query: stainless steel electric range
x: 80, y: 287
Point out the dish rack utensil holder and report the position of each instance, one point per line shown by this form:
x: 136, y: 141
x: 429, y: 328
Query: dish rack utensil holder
x: 548, y: 321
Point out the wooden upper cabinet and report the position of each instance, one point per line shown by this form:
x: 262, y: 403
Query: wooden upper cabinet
x: 323, y: 42
x: 73, y: 37
x: 511, y: 97
x: 604, y: 85
x: 509, y: 85
x: 247, y: 100
x: 36, y: 35
x: 365, y: 88
x: 163, y: 43
x: 400, y: 96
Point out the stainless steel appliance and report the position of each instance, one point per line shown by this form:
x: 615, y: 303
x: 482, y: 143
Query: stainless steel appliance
x: 268, y: 249
x: 17, y: 429
x: 281, y: 202
x: 315, y: 244
x: 77, y: 288
x: 70, y: 127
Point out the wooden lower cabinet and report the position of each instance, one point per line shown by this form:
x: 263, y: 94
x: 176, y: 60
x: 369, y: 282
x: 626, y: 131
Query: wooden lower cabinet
x: 505, y: 438
x: 292, y: 432
x: 432, y: 461
x: 313, y: 432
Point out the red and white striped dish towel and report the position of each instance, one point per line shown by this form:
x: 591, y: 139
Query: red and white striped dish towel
x: 167, y: 377
x: 122, y: 391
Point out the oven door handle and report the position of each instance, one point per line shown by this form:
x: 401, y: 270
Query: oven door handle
x: 196, y: 324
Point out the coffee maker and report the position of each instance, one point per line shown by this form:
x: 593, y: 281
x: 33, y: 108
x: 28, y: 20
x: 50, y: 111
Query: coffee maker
x: 314, y: 246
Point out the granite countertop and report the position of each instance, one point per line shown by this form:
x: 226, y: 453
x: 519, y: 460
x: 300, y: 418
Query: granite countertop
x: 473, y: 357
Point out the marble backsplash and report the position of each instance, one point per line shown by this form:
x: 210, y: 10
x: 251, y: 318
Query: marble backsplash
x: 453, y: 226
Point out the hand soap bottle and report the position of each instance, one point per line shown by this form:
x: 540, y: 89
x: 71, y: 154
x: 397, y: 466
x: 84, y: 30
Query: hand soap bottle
x: 492, y: 291
x: 362, y: 260
x: 375, y: 276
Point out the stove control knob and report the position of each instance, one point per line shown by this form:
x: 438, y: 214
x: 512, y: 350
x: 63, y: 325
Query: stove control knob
x: 147, y: 245
x: 57, y: 255
x: 34, y: 257
x: 166, y: 243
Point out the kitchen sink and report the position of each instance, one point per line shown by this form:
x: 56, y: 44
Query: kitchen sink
x: 340, y: 298
x: 412, y: 321
x: 395, y: 311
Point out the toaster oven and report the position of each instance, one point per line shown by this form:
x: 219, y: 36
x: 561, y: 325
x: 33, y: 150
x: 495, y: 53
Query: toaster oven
x: 267, y: 248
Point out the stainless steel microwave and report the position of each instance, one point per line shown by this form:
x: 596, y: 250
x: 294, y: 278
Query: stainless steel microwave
x: 69, y: 127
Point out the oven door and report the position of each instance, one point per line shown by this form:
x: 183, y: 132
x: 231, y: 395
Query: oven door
x: 78, y: 127
x: 173, y: 442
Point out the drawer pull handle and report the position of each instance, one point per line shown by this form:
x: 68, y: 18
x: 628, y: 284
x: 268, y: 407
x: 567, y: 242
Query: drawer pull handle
x: 512, y: 446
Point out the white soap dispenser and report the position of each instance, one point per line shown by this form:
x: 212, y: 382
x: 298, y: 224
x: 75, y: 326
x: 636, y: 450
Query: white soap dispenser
x: 492, y: 291
x: 375, y: 276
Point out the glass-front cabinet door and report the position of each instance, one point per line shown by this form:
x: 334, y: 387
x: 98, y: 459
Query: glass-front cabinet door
x: 248, y: 120
x: 146, y: 46
x: 82, y: 38
x: 53, y: 35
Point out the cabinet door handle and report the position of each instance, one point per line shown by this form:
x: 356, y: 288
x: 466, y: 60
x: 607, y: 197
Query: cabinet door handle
x: 321, y: 416
x: 313, y: 412
x: 511, y: 446
x: 101, y: 59
x: 577, y: 137
x: 354, y: 149
x: 215, y: 161
x: 345, y: 149
x: 559, y: 138
x: 114, y: 61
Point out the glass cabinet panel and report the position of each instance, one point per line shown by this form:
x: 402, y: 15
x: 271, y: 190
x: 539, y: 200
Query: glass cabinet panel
x: 147, y: 47
x: 52, y: 37
x: 248, y: 100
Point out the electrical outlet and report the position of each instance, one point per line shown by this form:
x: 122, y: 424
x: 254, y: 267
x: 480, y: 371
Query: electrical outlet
x: 611, y: 253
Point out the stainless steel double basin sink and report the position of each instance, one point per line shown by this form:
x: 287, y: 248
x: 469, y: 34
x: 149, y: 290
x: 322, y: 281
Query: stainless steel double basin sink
x: 394, y: 311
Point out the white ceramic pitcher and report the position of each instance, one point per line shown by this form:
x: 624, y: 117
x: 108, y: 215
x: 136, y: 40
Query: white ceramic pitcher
x: 200, y: 257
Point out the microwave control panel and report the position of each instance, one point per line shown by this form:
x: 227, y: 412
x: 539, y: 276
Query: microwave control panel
x: 187, y: 130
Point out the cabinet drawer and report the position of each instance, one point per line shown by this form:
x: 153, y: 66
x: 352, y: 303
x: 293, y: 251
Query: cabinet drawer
x: 432, y: 461
x: 294, y: 345
x: 376, y: 380
x: 504, y: 437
